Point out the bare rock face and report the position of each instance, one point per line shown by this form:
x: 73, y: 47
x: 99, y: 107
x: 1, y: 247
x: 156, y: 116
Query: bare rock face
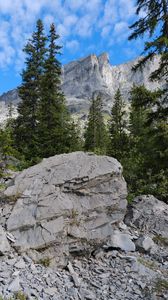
x: 94, y: 75
x: 70, y: 201
x: 149, y: 215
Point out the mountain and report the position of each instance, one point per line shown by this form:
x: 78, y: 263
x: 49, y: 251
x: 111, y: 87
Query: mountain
x: 94, y: 75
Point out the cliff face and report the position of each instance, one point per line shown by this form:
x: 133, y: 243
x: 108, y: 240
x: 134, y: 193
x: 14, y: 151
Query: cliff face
x: 94, y: 75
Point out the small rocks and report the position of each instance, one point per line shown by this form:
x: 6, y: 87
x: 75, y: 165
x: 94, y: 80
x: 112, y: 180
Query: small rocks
x: 122, y: 241
x: 20, y: 264
x: 144, y: 243
x: 116, y: 276
x: 10, y: 237
x: 14, y: 286
x: 74, y: 275
x: 50, y: 291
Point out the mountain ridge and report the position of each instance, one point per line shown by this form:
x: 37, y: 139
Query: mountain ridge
x: 94, y: 75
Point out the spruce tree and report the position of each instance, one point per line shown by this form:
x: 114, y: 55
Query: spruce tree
x: 155, y: 24
x: 145, y: 166
x: 117, y: 128
x: 30, y: 94
x: 55, y: 129
x: 7, y: 149
x: 95, y: 133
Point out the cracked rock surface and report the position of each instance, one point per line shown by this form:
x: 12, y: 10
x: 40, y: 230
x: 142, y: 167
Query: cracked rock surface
x: 71, y: 202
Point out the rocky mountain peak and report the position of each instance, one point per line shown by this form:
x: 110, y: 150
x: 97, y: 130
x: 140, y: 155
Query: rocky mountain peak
x: 95, y: 75
x: 103, y: 58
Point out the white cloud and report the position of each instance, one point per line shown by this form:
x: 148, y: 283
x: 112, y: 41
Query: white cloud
x: 110, y: 14
x: 7, y: 52
x: 84, y: 27
x: 75, y: 19
x: 120, y: 28
x: 72, y: 46
x: 48, y: 19
x: 74, y: 4
x: 116, y: 15
x: 126, y: 9
x: 62, y: 30
x: 106, y: 31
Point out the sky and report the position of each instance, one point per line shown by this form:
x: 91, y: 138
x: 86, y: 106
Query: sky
x: 85, y: 27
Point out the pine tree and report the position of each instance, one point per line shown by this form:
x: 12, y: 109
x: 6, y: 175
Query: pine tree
x: 7, y: 149
x: 55, y: 129
x: 30, y: 93
x: 155, y: 24
x: 10, y: 110
x: 117, y: 128
x: 145, y: 166
x: 95, y: 133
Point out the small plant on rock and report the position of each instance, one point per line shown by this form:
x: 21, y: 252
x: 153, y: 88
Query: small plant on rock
x: 161, y: 286
x: 74, y: 217
x: 160, y: 240
x: 15, y: 197
x: 45, y: 261
x: 2, y: 186
x: 20, y: 296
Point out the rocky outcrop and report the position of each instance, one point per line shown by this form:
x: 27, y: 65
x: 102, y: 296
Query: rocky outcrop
x: 94, y: 75
x: 71, y: 201
x: 68, y: 211
x: 149, y: 215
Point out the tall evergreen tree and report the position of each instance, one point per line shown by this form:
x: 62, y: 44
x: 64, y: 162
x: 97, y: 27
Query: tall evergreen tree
x: 145, y: 166
x: 96, y: 134
x: 155, y: 24
x: 55, y: 129
x: 30, y: 93
x: 117, y: 128
x: 7, y: 149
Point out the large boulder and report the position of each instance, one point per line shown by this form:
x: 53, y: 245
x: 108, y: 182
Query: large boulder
x: 70, y: 201
x: 149, y: 215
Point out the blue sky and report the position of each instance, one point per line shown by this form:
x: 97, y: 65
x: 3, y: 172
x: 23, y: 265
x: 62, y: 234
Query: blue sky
x: 85, y: 27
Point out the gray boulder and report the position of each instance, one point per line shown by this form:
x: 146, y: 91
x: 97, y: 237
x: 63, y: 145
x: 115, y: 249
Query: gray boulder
x: 122, y: 241
x: 149, y: 215
x: 70, y: 201
x: 145, y: 243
